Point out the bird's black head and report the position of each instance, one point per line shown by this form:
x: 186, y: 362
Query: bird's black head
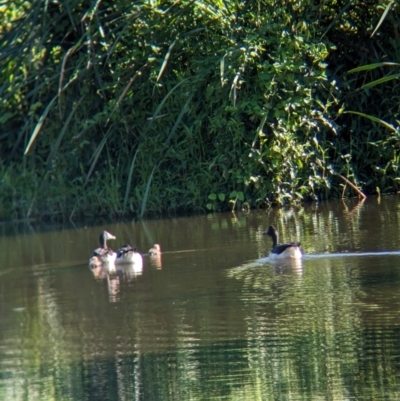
x: 270, y: 231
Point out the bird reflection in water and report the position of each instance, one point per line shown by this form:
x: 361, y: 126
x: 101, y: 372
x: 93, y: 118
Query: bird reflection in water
x: 113, y: 286
x: 100, y: 272
x: 108, y: 272
x: 288, y: 266
x: 114, y: 275
x: 130, y: 271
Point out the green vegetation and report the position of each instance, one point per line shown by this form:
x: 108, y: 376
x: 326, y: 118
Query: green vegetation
x: 121, y: 108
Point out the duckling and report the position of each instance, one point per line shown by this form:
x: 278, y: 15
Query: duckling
x: 127, y: 254
x: 103, y: 254
x: 289, y: 250
x: 155, y: 250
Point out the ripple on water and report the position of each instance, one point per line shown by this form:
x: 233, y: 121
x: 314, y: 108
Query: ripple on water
x: 211, y: 321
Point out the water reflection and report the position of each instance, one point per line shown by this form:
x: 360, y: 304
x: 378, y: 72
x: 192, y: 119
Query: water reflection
x: 156, y: 261
x: 288, y: 266
x: 114, y: 275
x: 113, y: 286
x: 217, y: 321
x: 101, y: 272
x: 129, y: 271
x: 155, y: 256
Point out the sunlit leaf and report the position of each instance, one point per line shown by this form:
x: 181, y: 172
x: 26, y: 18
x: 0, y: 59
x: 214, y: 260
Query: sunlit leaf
x: 381, y: 81
x: 383, y: 17
x: 374, y: 119
x: 373, y: 66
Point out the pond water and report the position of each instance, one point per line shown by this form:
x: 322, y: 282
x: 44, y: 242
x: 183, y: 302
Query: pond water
x: 209, y: 319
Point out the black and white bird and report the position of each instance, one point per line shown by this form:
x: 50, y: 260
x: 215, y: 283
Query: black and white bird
x: 126, y: 254
x: 290, y: 250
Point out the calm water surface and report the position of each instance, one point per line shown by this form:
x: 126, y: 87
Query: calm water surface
x: 208, y: 320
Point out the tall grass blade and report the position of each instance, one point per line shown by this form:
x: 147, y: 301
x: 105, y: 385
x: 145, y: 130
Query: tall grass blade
x: 375, y: 119
x: 148, y: 235
x: 62, y: 132
x: 160, y: 106
x: 259, y: 129
x: 179, y: 119
x: 128, y: 184
x: 165, y: 62
x: 383, y: 17
x: 39, y: 125
x: 234, y: 86
x: 125, y: 28
x: 124, y: 92
x: 44, y: 115
x: 96, y: 155
x: 222, y: 69
x: 99, y: 80
x: 222, y: 61
x: 373, y: 66
x: 381, y: 81
x: 193, y: 31
x: 146, y: 193
x: 60, y: 82
x: 69, y: 12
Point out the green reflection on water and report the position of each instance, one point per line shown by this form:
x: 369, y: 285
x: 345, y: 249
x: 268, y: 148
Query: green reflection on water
x: 204, y: 325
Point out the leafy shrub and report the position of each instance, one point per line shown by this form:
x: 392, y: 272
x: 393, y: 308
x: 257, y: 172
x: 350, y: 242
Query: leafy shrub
x: 132, y: 108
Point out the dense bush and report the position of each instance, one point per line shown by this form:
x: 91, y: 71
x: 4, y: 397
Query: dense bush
x: 126, y: 108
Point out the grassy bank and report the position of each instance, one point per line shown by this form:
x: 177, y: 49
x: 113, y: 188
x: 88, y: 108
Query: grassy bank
x: 133, y: 109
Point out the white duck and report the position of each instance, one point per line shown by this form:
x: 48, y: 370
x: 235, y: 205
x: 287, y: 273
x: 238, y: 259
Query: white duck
x: 155, y: 250
x: 103, y: 254
x: 127, y: 254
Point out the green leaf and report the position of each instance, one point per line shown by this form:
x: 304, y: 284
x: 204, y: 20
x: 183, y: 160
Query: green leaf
x: 5, y: 117
x: 146, y: 194
x: 381, y: 81
x: 165, y: 62
x: 375, y: 119
x: 382, y: 17
x: 221, y: 197
x: 39, y: 124
x: 128, y: 184
x: 212, y: 196
x: 373, y: 66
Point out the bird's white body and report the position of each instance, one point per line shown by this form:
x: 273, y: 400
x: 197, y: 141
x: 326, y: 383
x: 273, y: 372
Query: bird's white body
x: 128, y: 255
x: 292, y: 252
